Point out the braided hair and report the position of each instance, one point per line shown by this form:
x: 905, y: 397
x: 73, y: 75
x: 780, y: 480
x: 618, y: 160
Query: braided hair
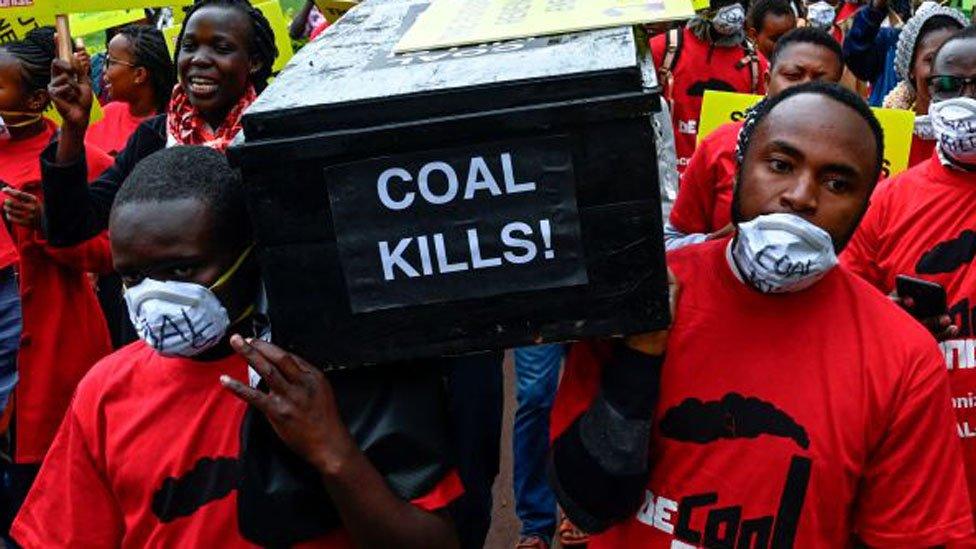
x: 262, y: 36
x: 35, y: 53
x: 149, y: 48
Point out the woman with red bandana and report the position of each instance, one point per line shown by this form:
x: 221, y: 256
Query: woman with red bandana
x: 224, y: 55
x: 64, y: 332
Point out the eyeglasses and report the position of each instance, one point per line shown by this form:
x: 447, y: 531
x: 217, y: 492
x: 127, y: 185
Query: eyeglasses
x: 947, y: 84
x: 109, y: 61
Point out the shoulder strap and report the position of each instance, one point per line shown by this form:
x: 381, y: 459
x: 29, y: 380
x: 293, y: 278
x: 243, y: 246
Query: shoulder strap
x: 673, y: 41
x: 752, y: 59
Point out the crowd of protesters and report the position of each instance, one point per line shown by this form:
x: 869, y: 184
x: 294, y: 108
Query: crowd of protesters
x: 798, y: 398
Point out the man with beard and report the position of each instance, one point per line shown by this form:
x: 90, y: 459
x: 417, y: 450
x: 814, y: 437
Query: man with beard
x: 784, y: 413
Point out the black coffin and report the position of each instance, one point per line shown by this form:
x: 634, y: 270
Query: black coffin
x: 455, y: 201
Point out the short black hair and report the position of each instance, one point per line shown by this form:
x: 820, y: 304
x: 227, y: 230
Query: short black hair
x: 191, y: 172
x: 150, y: 51
x: 756, y: 17
x: 964, y: 34
x: 262, y: 38
x: 807, y: 35
x: 829, y: 90
x: 35, y: 53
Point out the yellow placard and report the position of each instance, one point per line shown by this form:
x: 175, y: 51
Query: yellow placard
x: 448, y: 23
x: 721, y: 107
x: 898, y: 126
x: 87, y: 23
x: 18, y: 17
x: 272, y: 12
x: 332, y: 10
x: 94, y: 115
x: 700, y: 4
x: 46, y: 8
x: 170, y: 34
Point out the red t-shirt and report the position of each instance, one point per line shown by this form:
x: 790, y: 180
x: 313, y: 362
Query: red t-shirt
x: 64, y: 332
x: 112, y: 132
x: 20, y: 163
x: 140, y: 427
x: 922, y: 150
x: 701, y: 66
x: 798, y: 417
x: 704, y: 202
x: 921, y: 223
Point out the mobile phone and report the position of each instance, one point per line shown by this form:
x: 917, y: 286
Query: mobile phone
x: 929, y: 297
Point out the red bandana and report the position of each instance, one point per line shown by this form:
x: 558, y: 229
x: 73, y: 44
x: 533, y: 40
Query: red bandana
x: 185, y: 126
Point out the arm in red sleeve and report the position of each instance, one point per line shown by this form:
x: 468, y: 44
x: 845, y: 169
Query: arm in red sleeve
x: 692, y: 211
x: 861, y: 256
x: 90, y: 256
x: 71, y: 503
x: 913, y: 489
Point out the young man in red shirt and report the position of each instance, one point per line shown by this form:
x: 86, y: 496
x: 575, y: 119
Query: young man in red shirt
x: 796, y: 405
x: 149, y: 453
x: 921, y: 223
x: 710, y: 53
x: 702, y: 209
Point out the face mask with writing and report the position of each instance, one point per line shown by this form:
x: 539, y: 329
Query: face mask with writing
x: 780, y: 252
x: 181, y: 318
x: 954, y: 121
x: 5, y: 127
x: 821, y: 15
x: 729, y: 19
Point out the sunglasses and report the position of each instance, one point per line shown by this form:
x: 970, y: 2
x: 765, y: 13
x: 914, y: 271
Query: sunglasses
x: 109, y: 61
x: 946, y: 84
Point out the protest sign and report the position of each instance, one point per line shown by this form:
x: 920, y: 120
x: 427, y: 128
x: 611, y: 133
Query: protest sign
x: 332, y: 10
x: 88, y: 23
x: 18, y: 17
x: 721, y: 107
x: 449, y: 23
x: 478, y: 200
x: 272, y: 11
x: 457, y: 224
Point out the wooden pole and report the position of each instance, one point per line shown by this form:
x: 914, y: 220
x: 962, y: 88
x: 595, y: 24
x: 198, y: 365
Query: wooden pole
x: 64, y: 37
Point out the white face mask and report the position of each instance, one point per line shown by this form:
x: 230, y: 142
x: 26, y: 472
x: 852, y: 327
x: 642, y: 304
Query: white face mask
x: 180, y: 318
x: 729, y: 20
x: 821, y: 15
x: 954, y: 121
x: 778, y: 253
x: 924, y: 128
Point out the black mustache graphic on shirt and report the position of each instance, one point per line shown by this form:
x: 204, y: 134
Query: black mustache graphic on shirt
x: 735, y: 416
x: 210, y: 479
x: 948, y: 256
x: 698, y: 88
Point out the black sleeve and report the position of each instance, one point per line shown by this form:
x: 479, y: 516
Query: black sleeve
x: 866, y: 46
x: 75, y: 211
x: 598, y: 467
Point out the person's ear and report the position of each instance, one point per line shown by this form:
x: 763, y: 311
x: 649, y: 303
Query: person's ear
x: 767, y: 78
x: 256, y: 65
x: 753, y: 34
x: 37, y: 100
x: 142, y: 76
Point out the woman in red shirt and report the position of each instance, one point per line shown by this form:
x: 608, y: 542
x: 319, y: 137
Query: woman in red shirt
x: 139, y: 79
x: 64, y: 332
